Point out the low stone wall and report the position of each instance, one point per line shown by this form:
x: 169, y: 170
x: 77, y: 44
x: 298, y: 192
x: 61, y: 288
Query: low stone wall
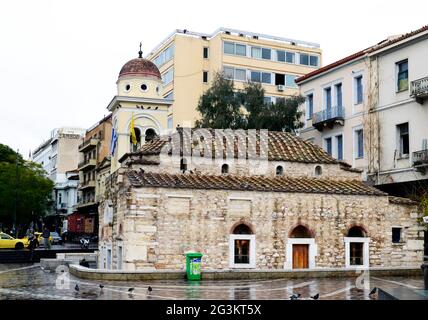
x: 99, y: 274
x: 67, y: 259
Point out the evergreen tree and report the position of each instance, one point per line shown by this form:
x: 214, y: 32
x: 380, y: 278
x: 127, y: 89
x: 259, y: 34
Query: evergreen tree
x: 26, y: 184
x: 219, y: 106
x: 223, y: 108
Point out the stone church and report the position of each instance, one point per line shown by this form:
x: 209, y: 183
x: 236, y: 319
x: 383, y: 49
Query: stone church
x: 245, y: 200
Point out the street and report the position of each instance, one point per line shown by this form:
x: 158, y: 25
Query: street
x: 30, y: 282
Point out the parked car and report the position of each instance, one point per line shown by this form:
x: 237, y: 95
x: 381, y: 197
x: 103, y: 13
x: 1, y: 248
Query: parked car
x: 9, y: 242
x: 56, y: 239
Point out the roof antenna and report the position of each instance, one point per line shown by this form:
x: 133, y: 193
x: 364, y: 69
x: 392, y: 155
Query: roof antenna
x: 140, y: 53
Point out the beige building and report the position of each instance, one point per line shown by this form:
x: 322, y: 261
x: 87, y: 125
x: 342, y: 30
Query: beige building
x: 59, y: 158
x: 94, y: 152
x: 295, y: 208
x: 188, y: 60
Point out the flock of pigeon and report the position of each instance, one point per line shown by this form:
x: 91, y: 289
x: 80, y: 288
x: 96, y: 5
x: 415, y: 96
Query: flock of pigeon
x: 295, y: 296
x: 130, y: 290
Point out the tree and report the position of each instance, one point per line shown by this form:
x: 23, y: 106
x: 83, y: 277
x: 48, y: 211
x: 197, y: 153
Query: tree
x: 223, y: 108
x: 220, y: 106
x: 30, y: 187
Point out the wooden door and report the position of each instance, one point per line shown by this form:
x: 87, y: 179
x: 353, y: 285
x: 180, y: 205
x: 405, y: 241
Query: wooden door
x: 300, y: 256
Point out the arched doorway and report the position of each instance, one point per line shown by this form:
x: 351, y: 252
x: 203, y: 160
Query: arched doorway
x: 301, y: 248
x: 356, y: 247
x: 242, y: 247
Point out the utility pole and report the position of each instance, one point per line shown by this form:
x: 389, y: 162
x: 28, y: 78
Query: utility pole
x: 16, y: 195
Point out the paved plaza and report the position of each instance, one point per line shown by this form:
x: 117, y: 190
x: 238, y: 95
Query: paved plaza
x: 28, y: 281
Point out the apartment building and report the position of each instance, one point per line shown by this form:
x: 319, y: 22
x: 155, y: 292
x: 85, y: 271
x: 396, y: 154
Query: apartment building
x: 188, y: 60
x: 59, y: 158
x: 93, y: 151
x: 369, y: 110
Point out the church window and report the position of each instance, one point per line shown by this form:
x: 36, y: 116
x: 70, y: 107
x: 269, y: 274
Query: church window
x: 225, y: 168
x: 318, y: 170
x: 127, y: 87
x: 150, y: 134
x: 143, y: 87
x: 279, y: 170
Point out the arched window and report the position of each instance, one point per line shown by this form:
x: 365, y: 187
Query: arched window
x: 242, y: 229
x: 225, y: 168
x: 150, y: 135
x: 135, y: 147
x: 357, y: 247
x: 300, y: 232
x: 356, y: 232
x: 279, y: 170
x: 242, y: 247
x: 318, y: 170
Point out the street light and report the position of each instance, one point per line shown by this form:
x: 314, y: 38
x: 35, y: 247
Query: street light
x: 16, y: 195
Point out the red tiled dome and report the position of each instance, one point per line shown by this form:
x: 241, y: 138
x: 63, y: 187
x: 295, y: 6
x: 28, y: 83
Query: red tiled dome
x: 140, y: 67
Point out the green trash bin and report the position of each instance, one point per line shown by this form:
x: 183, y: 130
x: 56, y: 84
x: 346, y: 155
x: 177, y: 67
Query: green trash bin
x: 193, y: 265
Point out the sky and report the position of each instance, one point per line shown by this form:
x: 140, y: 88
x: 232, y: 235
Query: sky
x: 59, y: 60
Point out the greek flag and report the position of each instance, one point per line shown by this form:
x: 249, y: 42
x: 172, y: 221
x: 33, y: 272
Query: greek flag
x: 113, y: 141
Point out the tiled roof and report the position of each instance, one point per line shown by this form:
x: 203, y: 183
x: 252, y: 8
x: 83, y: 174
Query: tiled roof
x: 361, y: 53
x: 250, y: 183
x: 140, y: 67
x: 399, y: 200
x: 387, y: 42
x: 282, y: 146
x: 331, y: 66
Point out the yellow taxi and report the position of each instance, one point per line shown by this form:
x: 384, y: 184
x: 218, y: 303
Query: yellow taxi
x: 9, y: 242
x: 39, y: 239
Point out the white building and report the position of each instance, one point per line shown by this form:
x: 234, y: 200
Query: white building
x: 59, y: 158
x: 368, y: 110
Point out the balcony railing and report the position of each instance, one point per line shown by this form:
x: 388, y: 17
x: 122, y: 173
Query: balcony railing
x: 420, y: 157
x: 88, y: 144
x: 328, y: 117
x: 87, y: 184
x: 84, y: 165
x: 419, y: 89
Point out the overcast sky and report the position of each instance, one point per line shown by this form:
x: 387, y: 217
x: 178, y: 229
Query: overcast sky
x: 59, y: 60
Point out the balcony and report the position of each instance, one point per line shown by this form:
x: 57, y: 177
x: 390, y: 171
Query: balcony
x: 328, y: 118
x: 419, y: 89
x: 420, y: 160
x: 87, y: 185
x: 86, y: 165
x: 88, y: 144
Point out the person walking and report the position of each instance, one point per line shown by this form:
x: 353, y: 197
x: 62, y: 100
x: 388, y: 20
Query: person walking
x: 32, y: 243
x: 46, y: 234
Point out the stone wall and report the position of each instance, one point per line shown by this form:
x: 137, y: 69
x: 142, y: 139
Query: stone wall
x: 156, y: 226
x: 171, y: 164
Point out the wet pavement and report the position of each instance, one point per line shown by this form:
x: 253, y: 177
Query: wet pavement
x: 26, y: 281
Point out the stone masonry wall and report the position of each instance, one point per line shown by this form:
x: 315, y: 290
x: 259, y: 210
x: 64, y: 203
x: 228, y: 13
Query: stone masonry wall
x: 159, y: 225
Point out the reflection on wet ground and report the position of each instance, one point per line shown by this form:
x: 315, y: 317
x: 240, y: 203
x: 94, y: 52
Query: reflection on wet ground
x: 31, y: 282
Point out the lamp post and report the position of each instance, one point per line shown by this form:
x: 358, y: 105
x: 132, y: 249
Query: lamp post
x: 425, y: 262
x: 16, y: 195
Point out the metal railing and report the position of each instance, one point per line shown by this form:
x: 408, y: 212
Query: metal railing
x: 329, y: 114
x: 419, y: 87
x: 92, y: 141
x: 420, y: 157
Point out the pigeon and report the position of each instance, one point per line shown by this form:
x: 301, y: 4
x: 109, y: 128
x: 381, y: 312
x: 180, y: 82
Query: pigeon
x: 77, y: 287
x: 373, y: 291
x: 131, y: 290
x: 315, y: 297
x: 149, y: 289
x: 295, y: 296
x: 101, y: 286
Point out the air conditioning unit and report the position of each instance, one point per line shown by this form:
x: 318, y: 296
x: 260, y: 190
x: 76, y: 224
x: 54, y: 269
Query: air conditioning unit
x: 280, y: 87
